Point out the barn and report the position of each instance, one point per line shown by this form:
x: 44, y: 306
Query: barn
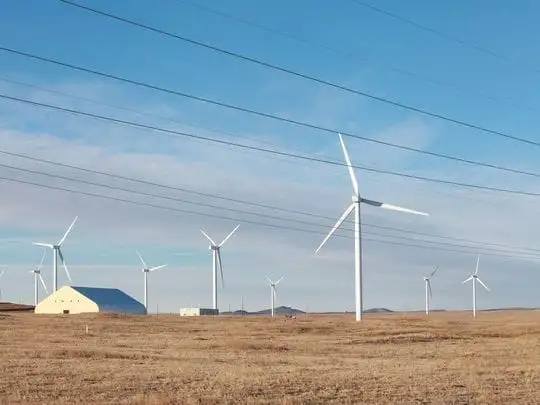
x: 79, y: 300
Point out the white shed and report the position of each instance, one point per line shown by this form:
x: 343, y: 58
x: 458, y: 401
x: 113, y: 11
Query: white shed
x: 78, y: 300
x: 198, y: 311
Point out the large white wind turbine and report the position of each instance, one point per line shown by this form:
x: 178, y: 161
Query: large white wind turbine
x: 147, y: 270
x: 355, y: 206
x: 1, y: 274
x: 427, y: 280
x: 216, y: 261
x: 37, y: 275
x: 474, y: 277
x: 273, y: 293
x: 58, y: 252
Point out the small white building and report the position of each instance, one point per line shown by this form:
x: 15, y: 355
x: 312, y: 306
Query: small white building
x: 79, y: 300
x: 198, y: 311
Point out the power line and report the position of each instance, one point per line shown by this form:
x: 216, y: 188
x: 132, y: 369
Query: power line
x: 174, y: 209
x: 123, y: 108
x: 352, y: 55
x: 302, y: 124
x: 260, y: 149
x: 202, y: 204
x: 259, y: 205
x: 304, y: 75
x: 435, y: 32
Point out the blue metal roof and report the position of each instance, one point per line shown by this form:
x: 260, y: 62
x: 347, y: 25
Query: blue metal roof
x: 108, y: 299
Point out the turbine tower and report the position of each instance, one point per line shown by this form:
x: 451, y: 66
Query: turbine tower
x: 474, y: 277
x: 147, y: 270
x: 273, y: 293
x: 37, y: 275
x: 216, y: 261
x: 57, y: 252
x: 427, y: 280
x: 1, y: 274
x: 357, y: 200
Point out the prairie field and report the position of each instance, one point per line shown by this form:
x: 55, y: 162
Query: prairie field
x: 448, y: 358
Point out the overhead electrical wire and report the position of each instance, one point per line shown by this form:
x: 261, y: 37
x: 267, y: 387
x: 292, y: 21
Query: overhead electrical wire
x: 353, y: 55
x: 206, y: 205
x: 266, y: 150
x: 228, y: 199
x: 436, y: 32
x: 127, y: 109
x: 302, y: 124
x: 303, y: 75
x: 475, y: 249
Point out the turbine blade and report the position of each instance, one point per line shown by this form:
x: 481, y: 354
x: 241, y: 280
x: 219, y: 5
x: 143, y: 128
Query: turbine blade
x: 270, y: 281
x: 277, y: 282
x: 43, y: 244
x: 477, y: 264
x: 67, y: 232
x: 392, y: 207
x: 2, y: 272
x: 43, y: 283
x: 142, y: 260
x: 483, y: 285
x: 42, y: 259
x: 349, y: 166
x: 434, y: 271
x: 220, y: 269
x: 65, y: 267
x: 229, y: 235
x: 469, y: 279
x: 158, y: 267
x: 208, y: 237
x: 338, y: 223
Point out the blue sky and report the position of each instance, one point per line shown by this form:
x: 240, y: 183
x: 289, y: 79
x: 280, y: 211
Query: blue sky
x: 366, y: 50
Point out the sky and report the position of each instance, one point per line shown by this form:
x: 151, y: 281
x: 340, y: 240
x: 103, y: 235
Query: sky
x: 470, y: 69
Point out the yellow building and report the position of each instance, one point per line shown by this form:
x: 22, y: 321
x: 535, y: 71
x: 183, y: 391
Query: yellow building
x: 79, y: 300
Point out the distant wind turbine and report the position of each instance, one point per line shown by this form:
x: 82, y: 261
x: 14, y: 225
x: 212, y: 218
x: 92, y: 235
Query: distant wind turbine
x: 58, y: 252
x: 273, y: 293
x: 147, y: 270
x: 37, y: 275
x: 355, y: 206
x: 216, y: 261
x: 474, y: 277
x: 427, y: 280
x: 1, y: 274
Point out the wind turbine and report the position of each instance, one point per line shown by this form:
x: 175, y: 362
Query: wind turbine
x: 355, y: 206
x: 37, y: 275
x: 147, y: 270
x: 58, y: 252
x: 216, y: 261
x: 474, y: 277
x: 427, y: 280
x: 1, y: 274
x: 273, y: 292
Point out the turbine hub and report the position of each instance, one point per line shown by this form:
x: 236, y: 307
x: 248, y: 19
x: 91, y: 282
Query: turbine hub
x: 356, y: 199
x: 212, y: 247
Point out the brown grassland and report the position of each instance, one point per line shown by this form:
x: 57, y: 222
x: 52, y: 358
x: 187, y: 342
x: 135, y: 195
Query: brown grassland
x: 446, y: 359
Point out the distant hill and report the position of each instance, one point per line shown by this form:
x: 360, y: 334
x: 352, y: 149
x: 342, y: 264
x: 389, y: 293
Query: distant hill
x: 278, y: 311
x: 377, y: 311
x: 9, y: 307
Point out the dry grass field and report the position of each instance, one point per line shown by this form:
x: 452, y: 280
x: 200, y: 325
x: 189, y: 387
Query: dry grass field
x: 447, y: 359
